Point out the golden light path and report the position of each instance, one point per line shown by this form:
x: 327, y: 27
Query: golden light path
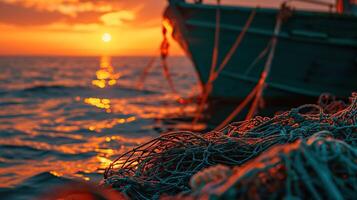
x: 106, y: 76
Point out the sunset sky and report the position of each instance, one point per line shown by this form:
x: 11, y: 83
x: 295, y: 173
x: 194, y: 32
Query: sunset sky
x: 76, y: 27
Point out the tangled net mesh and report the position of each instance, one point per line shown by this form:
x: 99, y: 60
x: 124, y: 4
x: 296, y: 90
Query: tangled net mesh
x: 320, y: 167
x: 166, y: 164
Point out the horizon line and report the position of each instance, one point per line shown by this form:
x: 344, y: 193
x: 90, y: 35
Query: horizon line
x: 66, y: 55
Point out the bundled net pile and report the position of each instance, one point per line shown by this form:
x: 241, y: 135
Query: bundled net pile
x: 318, y: 168
x: 166, y: 164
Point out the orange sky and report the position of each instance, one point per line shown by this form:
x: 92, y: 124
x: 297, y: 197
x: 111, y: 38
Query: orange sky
x: 75, y: 27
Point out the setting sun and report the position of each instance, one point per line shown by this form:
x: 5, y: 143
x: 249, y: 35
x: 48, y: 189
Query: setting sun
x: 106, y: 37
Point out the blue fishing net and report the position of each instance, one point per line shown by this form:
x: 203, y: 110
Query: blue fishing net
x: 166, y: 164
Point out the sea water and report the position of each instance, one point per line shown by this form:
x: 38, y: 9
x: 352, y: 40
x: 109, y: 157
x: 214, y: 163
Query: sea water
x: 67, y: 118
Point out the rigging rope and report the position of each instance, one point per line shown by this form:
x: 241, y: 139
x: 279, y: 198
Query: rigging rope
x: 267, y: 67
x: 208, y: 86
x: 236, y: 43
x: 257, y: 92
x: 215, y: 73
x: 164, y: 52
x: 145, y: 73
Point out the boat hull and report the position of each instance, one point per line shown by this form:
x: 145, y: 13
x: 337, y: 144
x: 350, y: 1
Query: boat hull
x: 316, y: 52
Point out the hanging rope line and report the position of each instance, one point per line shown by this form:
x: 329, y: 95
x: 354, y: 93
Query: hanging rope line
x: 213, y: 75
x: 239, y: 108
x: 236, y: 43
x: 145, y: 73
x: 208, y: 86
x: 268, y: 64
x: 257, y: 92
x: 216, y: 38
x: 258, y: 58
x: 164, y: 51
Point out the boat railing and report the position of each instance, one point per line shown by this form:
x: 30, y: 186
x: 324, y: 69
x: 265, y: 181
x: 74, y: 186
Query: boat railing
x: 316, y: 2
x: 330, y: 5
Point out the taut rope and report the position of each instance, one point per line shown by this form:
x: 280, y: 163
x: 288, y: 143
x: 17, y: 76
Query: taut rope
x: 257, y: 92
x: 215, y: 73
x: 164, y: 52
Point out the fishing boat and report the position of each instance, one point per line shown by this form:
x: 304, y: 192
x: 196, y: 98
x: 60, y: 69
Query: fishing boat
x: 307, y: 53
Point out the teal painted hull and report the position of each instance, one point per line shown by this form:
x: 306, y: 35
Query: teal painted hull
x: 316, y: 52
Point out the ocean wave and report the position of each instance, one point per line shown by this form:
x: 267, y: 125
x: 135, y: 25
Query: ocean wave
x: 42, y: 88
x: 16, y: 152
x: 79, y: 90
x: 34, y: 186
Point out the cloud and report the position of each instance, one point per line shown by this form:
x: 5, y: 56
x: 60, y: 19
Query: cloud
x: 132, y: 14
x: 117, y: 18
x: 18, y: 15
x: 65, y: 7
x: 48, y: 12
x: 78, y: 27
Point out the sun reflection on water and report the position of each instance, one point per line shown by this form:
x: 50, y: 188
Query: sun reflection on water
x: 106, y: 75
x: 107, y: 124
x: 99, y: 103
x: 136, y: 106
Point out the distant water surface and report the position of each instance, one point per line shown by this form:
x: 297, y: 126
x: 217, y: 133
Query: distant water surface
x: 66, y: 118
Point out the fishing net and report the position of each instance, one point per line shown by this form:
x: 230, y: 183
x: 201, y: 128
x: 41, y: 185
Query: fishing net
x: 330, y: 104
x: 318, y: 168
x: 166, y: 164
